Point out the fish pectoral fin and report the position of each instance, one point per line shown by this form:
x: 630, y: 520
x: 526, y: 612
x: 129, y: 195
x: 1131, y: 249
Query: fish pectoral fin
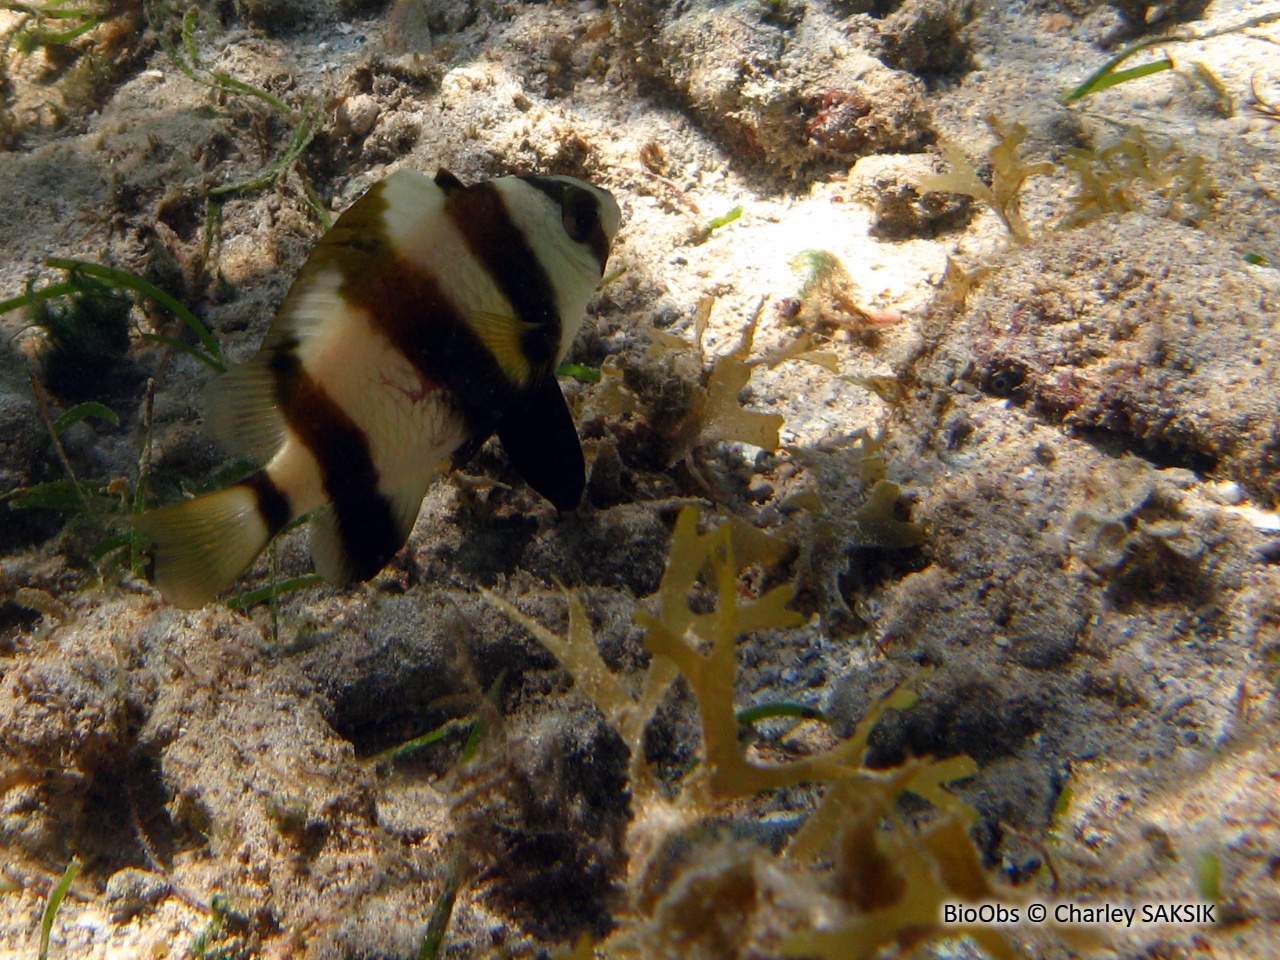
x: 242, y: 409
x: 354, y: 548
x: 542, y: 444
x: 503, y: 337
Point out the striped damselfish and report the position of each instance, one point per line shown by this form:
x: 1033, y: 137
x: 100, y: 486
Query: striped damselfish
x: 430, y: 316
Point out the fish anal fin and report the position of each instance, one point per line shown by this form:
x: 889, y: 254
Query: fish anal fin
x: 242, y: 409
x: 344, y: 556
x: 447, y: 182
x: 330, y: 556
x: 542, y: 443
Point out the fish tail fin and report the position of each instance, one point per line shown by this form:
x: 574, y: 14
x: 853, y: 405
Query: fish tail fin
x: 202, y: 545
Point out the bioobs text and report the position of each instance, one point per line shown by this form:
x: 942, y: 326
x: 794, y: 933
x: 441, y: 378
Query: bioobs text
x: 985, y: 913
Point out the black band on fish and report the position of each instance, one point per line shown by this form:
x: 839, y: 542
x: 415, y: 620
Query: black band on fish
x: 273, y: 504
x: 445, y: 350
x: 366, y: 521
x: 482, y: 217
x: 412, y: 311
x: 580, y: 212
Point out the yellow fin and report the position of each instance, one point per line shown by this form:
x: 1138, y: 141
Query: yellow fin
x: 202, y: 545
x: 502, y: 336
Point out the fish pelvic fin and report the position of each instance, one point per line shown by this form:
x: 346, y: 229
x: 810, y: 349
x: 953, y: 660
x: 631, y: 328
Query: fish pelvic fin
x: 542, y: 443
x: 203, y: 545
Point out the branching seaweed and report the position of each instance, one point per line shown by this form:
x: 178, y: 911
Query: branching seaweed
x: 184, y: 51
x: 895, y: 882
x: 70, y: 313
x: 52, y: 24
x: 1122, y: 176
x: 113, y: 282
x: 856, y: 853
x: 729, y: 773
x: 715, y: 413
x: 302, y: 136
x: 1009, y: 172
x: 185, y: 54
x: 577, y: 652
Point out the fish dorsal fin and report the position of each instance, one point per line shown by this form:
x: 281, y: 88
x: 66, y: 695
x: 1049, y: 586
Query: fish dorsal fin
x: 242, y: 409
x: 314, y: 303
x: 447, y: 182
x: 542, y: 444
x: 503, y: 337
x: 349, y: 252
x: 333, y: 558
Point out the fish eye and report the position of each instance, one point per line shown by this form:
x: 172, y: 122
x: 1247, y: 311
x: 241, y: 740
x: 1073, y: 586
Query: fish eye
x: 580, y: 214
